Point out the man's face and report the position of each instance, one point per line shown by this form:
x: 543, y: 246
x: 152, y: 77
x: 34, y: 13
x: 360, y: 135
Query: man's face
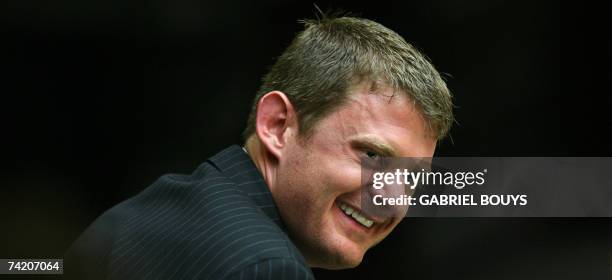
x: 318, y: 176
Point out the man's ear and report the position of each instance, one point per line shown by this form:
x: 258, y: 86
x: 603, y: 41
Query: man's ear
x: 275, y: 122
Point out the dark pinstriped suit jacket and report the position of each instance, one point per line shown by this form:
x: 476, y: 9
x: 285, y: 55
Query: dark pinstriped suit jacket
x: 218, y: 223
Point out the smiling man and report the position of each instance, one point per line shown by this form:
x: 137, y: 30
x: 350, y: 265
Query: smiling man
x: 316, y: 178
x: 346, y: 89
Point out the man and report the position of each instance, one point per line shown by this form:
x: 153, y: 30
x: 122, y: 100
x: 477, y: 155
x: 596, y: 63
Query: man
x: 346, y: 89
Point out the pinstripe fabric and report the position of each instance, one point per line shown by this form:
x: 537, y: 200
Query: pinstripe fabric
x: 218, y: 223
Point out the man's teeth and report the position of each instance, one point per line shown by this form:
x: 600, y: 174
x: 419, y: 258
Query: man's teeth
x: 349, y: 211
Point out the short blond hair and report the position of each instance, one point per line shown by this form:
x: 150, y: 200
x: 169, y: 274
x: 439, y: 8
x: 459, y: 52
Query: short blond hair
x: 331, y: 54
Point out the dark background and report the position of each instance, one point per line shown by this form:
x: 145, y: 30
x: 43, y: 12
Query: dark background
x: 99, y: 98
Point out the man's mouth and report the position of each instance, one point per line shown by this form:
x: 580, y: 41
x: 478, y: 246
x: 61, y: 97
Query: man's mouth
x: 355, y: 215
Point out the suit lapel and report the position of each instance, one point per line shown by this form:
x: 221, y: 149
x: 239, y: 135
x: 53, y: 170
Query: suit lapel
x: 237, y: 166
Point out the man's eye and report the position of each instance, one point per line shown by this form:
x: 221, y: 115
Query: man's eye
x: 372, y: 155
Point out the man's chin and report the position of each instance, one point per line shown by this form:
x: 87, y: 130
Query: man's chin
x: 343, y: 264
x: 339, y: 259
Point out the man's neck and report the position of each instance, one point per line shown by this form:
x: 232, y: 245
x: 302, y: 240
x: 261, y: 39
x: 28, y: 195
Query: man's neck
x: 254, y: 148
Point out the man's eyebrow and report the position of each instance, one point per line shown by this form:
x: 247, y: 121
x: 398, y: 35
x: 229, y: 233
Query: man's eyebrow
x: 373, y: 142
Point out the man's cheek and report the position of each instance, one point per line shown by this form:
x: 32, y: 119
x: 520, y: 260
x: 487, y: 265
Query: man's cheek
x: 343, y: 180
